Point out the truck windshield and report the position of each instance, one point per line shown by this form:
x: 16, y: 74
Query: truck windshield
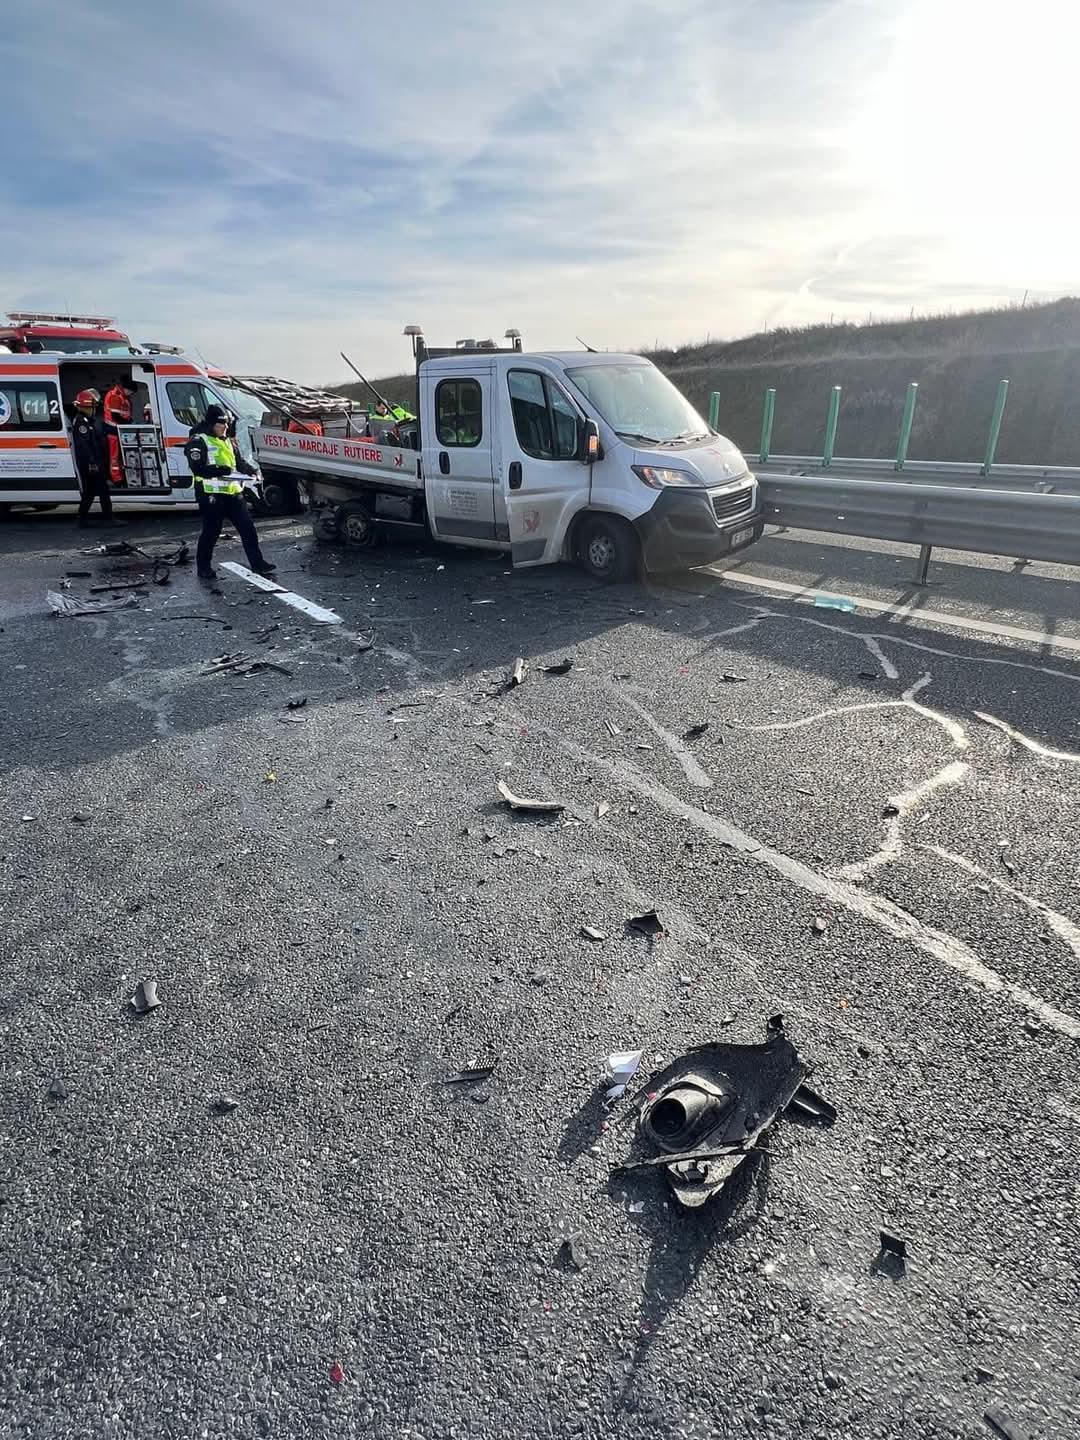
x: 639, y: 403
x: 73, y: 345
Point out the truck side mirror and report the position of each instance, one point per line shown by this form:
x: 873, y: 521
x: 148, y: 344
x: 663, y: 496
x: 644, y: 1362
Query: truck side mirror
x: 589, y: 442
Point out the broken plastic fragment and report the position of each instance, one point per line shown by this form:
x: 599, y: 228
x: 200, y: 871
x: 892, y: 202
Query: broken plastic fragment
x: 731, y: 679
x: 226, y: 1104
x: 145, y: 998
x: 66, y: 605
x: 602, y: 809
x: 1002, y: 1425
x: 470, y: 1074
x: 517, y: 675
x: 621, y: 1066
x: 889, y: 810
x: 58, y: 1090
x: 81, y: 817
x: 337, y: 1374
x: 833, y: 602
x: 270, y: 777
x: 695, y: 731
x: 297, y: 704
x: 818, y: 925
x: 536, y: 807
x: 648, y: 924
x: 591, y: 933
x: 612, y: 728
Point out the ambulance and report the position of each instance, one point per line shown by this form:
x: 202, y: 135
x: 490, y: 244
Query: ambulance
x: 38, y: 384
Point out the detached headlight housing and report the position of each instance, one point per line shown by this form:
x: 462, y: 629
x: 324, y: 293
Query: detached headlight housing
x: 658, y: 477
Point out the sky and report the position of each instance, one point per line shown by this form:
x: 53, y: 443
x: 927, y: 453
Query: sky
x: 267, y: 183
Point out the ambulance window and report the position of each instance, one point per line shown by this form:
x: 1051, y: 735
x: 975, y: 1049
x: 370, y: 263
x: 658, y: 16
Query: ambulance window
x: 190, y: 401
x: 544, y: 419
x: 458, y: 407
x: 30, y: 407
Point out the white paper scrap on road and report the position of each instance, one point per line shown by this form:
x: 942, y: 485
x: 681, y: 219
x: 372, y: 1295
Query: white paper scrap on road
x: 298, y: 602
x: 621, y: 1066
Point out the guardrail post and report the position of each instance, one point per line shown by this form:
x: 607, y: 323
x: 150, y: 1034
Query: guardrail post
x: 766, y: 424
x: 714, y: 410
x: 905, y: 424
x: 995, y: 425
x: 925, y: 551
x: 830, y: 426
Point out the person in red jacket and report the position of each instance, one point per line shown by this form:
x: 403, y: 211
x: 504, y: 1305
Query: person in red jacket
x: 117, y: 411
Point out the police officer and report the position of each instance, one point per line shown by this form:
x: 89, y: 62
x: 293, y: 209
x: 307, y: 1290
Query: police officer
x: 220, y: 492
x: 90, y: 449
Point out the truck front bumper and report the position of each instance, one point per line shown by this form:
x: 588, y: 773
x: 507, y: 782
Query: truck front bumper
x: 681, y: 531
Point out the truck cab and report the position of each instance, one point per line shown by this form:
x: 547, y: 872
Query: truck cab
x: 594, y: 457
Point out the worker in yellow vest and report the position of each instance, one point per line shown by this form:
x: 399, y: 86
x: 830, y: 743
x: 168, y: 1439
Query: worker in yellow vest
x: 218, y: 471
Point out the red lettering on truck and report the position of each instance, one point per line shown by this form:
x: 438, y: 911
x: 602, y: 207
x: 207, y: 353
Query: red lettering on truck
x: 362, y: 452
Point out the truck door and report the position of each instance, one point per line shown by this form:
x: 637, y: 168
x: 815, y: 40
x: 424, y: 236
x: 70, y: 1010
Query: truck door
x: 545, y: 484
x: 459, y: 480
x: 35, y: 452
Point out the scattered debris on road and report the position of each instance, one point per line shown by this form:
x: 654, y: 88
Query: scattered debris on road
x: 811, y: 1105
x: 730, y: 679
x: 146, y: 997
x: 270, y: 778
x: 517, y: 674
x: 891, y: 1259
x: 210, y: 619
x: 602, y: 809
x: 297, y: 704
x: 337, y: 1374
x: 612, y: 728
x: 704, y: 1114
x: 889, y: 810
x: 65, y: 605
x: 621, y: 1066
x: 1003, y: 1426
x: 571, y: 1247
x: 226, y: 1104
x: 533, y: 807
x: 81, y: 817
x: 648, y: 924
x: 562, y: 668
x: 695, y: 730
x: 58, y: 1090
x: 590, y: 932
x: 818, y: 925
x: 471, y: 1074
x: 833, y: 602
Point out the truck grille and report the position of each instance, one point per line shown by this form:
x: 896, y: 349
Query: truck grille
x: 726, y: 507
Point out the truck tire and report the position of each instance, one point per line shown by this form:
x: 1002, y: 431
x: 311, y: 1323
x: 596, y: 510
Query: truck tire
x: 280, y: 494
x: 357, y: 525
x: 325, y: 524
x: 607, y: 548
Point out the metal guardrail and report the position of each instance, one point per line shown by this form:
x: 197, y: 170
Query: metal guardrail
x: 1028, y: 524
x: 1050, y: 479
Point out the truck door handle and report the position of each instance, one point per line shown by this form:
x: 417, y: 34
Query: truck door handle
x: 444, y: 462
x: 514, y: 477
x: 46, y: 445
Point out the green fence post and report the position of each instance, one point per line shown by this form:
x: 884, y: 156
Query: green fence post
x: 905, y: 423
x: 830, y: 426
x: 714, y: 410
x: 766, y: 424
x: 995, y: 425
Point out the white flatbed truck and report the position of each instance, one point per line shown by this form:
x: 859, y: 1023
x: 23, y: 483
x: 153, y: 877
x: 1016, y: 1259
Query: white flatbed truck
x: 547, y: 456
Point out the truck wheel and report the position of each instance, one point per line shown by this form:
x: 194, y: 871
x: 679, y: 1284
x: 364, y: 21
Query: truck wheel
x: 325, y: 525
x: 280, y: 493
x: 608, y: 549
x: 357, y: 525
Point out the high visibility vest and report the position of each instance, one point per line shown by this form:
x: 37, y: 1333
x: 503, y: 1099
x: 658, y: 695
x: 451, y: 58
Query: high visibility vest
x: 220, y: 452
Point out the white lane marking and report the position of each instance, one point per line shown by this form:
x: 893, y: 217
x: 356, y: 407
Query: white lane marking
x: 888, y: 669
x: 764, y: 613
x: 1025, y: 740
x: 691, y: 769
x: 298, y: 602
x: 881, y: 912
x: 1061, y: 925
x: 954, y: 773
x: 955, y: 731
x: 909, y: 611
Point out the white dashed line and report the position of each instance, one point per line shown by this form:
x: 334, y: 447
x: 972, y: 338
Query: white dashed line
x: 298, y: 602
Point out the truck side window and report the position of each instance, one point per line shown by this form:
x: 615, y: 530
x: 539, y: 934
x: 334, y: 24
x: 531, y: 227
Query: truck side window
x: 31, y: 406
x: 458, y: 412
x: 190, y: 401
x: 544, y: 419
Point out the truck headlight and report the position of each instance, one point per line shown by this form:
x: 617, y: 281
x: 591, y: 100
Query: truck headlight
x: 658, y: 477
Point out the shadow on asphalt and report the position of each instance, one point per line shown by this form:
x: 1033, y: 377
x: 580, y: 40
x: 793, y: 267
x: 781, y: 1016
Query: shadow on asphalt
x: 682, y: 1240
x: 545, y: 609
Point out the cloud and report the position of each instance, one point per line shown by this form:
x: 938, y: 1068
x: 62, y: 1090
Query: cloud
x: 269, y: 183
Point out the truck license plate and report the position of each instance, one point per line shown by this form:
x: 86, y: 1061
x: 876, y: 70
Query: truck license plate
x: 742, y: 537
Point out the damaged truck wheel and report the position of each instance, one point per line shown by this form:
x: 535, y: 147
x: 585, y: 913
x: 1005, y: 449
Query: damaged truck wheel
x: 357, y: 525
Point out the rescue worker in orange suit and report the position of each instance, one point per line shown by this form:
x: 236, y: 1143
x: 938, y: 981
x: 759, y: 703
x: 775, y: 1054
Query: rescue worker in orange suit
x: 90, y: 449
x: 220, y: 492
x: 117, y: 408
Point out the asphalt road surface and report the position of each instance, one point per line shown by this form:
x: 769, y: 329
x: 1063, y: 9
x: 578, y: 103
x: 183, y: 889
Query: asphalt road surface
x: 340, y: 911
